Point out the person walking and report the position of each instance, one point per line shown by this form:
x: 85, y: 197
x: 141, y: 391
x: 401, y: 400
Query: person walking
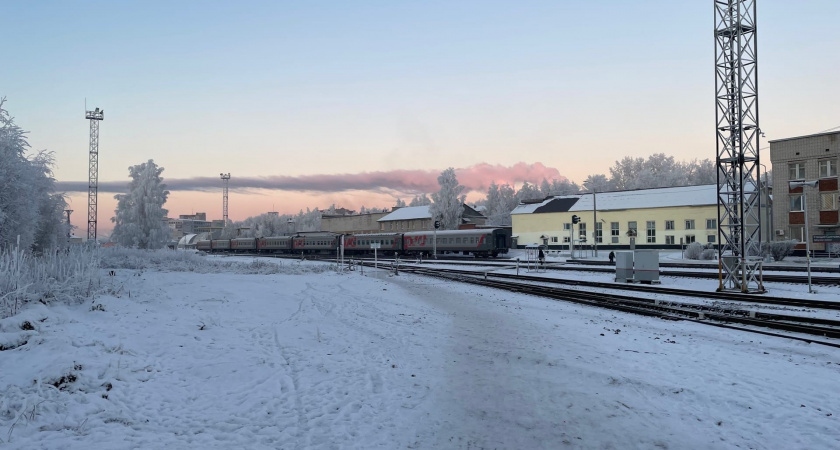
x: 612, y: 257
x: 541, y: 257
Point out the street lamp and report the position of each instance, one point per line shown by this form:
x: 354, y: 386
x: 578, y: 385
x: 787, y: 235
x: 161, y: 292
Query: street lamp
x: 803, y: 185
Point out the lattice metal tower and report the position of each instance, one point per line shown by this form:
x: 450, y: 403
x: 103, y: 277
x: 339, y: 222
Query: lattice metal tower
x: 225, y: 180
x: 736, y: 119
x: 93, y: 169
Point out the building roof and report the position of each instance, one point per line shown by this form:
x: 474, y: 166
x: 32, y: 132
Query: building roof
x: 803, y: 137
x: 703, y: 195
x: 408, y: 213
x: 422, y: 212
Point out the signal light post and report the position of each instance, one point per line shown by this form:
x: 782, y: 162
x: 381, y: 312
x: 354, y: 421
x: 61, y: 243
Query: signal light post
x: 434, y: 240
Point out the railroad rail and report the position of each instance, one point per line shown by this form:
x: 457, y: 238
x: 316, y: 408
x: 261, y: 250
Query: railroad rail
x: 710, y: 271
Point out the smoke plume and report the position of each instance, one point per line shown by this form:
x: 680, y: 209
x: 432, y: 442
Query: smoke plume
x: 474, y: 178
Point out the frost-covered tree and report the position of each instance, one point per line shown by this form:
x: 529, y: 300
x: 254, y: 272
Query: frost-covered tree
x: 30, y: 210
x: 400, y: 203
x: 493, y: 202
x: 558, y: 187
x: 598, y: 183
x: 501, y: 200
x: 528, y: 192
x: 448, y: 202
x: 420, y: 200
x: 701, y: 172
x: 659, y: 170
x: 139, y: 217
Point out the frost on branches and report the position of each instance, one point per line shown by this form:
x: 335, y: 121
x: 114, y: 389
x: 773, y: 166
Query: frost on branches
x: 448, y: 202
x: 139, y: 220
x: 30, y: 210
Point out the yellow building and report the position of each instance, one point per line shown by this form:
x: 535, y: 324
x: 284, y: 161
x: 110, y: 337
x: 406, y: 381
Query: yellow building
x: 660, y: 218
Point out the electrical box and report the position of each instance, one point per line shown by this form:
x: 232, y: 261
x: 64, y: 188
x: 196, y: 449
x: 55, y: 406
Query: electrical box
x: 646, y: 267
x: 624, y: 267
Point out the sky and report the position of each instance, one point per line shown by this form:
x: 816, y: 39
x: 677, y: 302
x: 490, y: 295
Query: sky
x: 308, y: 104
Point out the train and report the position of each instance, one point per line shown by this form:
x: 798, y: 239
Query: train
x: 482, y: 242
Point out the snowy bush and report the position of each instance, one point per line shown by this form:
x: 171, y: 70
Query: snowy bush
x: 780, y: 249
x: 708, y: 254
x: 694, y: 250
x: 191, y: 261
x: 65, y: 276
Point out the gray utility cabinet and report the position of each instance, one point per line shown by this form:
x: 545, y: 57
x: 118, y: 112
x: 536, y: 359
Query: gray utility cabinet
x: 646, y: 268
x: 624, y: 267
x: 637, y: 266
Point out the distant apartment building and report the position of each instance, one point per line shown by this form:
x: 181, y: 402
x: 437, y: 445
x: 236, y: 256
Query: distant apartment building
x: 806, y: 158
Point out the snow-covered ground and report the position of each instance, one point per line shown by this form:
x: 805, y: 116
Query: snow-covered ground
x: 312, y: 359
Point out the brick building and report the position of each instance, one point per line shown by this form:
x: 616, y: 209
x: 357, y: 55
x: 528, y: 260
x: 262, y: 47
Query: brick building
x: 806, y: 158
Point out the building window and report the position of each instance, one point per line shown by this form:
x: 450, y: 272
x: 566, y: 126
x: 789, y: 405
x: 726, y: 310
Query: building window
x: 796, y: 171
x: 710, y: 239
x: 554, y: 239
x: 828, y: 168
x: 796, y: 202
x: 828, y: 201
x: 614, y: 232
x: 651, y: 231
x: 797, y: 232
x: 582, y: 232
x: 689, y: 239
x: 632, y: 226
x: 565, y: 239
x: 689, y: 224
x: 567, y: 226
x: 711, y: 224
x: 669, y: 224
x: 669, y: 240
x: 599, y: 233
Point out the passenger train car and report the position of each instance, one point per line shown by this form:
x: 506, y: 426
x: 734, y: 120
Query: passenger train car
x: 477, y: 242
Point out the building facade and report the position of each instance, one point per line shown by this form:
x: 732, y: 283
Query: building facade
x: 352, y: 223
x: 806, y: 158
x: 416, y: 218
x: 664, y: 218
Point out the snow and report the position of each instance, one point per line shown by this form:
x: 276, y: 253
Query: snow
x: 703, y: 195
x: 307, y: 358
x: 408, y: 213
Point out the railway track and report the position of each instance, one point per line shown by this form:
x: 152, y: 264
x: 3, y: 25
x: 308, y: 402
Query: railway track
x: 727, y: 316
x: 709, y: 272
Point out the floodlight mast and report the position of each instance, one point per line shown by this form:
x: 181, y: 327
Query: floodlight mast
x: 226, y: 179
x: 737, y: 158
x: 93, y: 169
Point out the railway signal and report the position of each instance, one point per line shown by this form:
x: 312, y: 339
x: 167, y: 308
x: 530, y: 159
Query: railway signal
x: 575, y: 218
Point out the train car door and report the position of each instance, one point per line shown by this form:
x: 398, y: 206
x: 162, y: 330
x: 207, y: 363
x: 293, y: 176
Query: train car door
x: 501, y: 243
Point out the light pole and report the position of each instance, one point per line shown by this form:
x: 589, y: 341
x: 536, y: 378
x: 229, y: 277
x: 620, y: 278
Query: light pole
x: 803, y: 185
x: 594, y: 218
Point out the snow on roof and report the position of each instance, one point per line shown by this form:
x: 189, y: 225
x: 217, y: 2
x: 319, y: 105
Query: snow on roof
x: 560, y: 203
x: 408, y: 213
x: 704, y: 195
